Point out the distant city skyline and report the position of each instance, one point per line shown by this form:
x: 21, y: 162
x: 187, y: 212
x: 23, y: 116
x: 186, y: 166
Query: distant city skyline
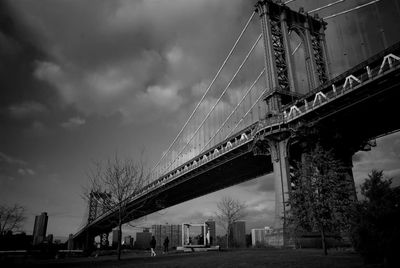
x: 82, y: 81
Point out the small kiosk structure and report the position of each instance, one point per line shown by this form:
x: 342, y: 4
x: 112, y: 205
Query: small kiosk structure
x: 199, y: 243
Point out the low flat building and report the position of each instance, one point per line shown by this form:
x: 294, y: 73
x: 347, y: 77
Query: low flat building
x: 238, y: 234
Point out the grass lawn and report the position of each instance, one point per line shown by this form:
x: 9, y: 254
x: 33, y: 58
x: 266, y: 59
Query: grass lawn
x: 233, y: 258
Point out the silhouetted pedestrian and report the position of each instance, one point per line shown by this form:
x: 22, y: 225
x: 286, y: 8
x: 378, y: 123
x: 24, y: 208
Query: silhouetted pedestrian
x: 166, y: 242
x: 153, y: 246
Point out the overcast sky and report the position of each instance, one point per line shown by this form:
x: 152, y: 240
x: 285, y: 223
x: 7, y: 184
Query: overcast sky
x: 81, y: 80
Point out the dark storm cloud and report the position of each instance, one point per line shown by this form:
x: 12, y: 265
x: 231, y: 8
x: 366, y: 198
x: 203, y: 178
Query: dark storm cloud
x: 16, y: 54
x: 27, y: 105
x: 130, y: 56
x: 263, y: 184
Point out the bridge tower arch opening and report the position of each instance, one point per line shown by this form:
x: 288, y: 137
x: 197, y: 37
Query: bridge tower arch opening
x: 301, y: 65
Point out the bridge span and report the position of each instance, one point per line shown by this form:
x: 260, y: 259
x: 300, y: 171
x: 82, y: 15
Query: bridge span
x: 360, y: 110
x: 347, y: 111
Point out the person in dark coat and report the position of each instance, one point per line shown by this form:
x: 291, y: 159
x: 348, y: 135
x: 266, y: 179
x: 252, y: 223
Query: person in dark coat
x: 166, y: 242
x: 153, y: 246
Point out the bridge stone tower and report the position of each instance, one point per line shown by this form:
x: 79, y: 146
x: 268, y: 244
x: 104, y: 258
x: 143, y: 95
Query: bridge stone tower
x: 97, y: 206
x: 278, y: 23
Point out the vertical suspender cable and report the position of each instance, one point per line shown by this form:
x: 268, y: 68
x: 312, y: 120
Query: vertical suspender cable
x: 237, y: 124
x: 222, y: 94
x: 235, y: 109
x: 205, y: 93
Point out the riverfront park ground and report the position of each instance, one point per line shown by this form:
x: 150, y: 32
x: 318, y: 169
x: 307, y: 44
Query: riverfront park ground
x: 276, y: 258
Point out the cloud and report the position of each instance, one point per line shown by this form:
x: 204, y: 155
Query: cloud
x: 382, y: 157
x: 199, y: 88
x: 73, y: 122
x: 11, y: 166
x: 116, y: 57
x: 37, y: 128
x: 175, y: 55
x: 166, y: 98
x: 11, y: 160
x: 56, y: 76
x: 357, y: 157
x: 26, y: 171
x: 26, y: 109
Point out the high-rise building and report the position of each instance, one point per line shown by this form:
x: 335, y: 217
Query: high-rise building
x: 238, y: 234
x: 115, y: 236
x: 211, y: 228
x: 39, y: 229
x: 173, y: 232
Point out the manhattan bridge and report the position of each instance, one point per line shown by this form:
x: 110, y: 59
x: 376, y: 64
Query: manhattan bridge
x: 293, y: 90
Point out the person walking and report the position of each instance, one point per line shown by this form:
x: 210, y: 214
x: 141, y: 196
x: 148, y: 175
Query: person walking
x: 153, y: 246
x: 166, y: 242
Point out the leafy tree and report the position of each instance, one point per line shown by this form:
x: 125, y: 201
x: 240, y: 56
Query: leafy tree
x: 229, y: 211
x: 120, y: 180
x: 320, y: 196
x: 11, y: 218
x: 376, y: 221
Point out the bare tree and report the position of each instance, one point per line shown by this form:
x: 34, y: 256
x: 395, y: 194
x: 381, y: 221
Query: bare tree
x: 119, y: 180
x: 229, y: 211
x: 11, y: 218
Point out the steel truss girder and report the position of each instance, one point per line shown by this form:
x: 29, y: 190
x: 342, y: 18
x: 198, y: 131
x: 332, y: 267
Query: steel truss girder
x: 319, y: 58
x: 279, y: 54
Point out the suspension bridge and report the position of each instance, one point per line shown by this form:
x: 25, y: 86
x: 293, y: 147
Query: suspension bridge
x: 242, y: 130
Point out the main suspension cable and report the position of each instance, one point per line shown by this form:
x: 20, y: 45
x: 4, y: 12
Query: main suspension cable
x: 248, y: 111
x: 208, y: 89
x: 351, y: 9
x: 233, y: 111
x: 326, y: 6
x: 219, y: 99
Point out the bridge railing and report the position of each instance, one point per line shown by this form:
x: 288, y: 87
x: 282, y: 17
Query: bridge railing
x: 345, y: 83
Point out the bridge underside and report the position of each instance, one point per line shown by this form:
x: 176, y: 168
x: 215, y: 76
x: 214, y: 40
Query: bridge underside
x: 237, y: 166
